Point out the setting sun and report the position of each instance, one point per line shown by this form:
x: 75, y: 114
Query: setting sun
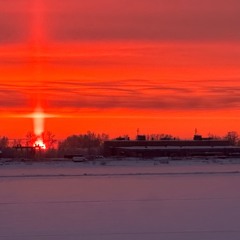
x: 39, y: 144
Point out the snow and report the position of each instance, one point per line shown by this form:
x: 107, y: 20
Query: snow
x: 127, y: 199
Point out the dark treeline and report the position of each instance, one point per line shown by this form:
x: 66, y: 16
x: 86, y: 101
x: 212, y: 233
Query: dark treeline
x: 233, y: 137
x: 89, y: 143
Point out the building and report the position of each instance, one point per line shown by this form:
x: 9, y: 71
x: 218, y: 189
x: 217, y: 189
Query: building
x: 25, y: 152
x: 150, y: 148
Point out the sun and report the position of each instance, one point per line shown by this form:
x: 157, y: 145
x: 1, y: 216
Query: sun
x: 39, y: 144
x: 39, y: 117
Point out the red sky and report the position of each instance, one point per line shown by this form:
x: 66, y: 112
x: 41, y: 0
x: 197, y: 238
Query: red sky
x: 163, y: 66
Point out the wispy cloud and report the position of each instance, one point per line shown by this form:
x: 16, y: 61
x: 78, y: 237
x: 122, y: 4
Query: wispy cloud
x: 126, y: 94
x: 160, y: 20
x: 145, y: 94
x: 155, y: 20
x: 14, y: 21
x: 142, y: 76
x: 12, y: 98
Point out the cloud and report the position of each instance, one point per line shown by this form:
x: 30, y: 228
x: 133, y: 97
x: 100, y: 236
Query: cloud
x: 145, y: 94
x: 13, y: 27
x: 135, y: 94
x: 135, y: 76
x: 12, y: 98
x: 155, y: 20
x: 158, y: 20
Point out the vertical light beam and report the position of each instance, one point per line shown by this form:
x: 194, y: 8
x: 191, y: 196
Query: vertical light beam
x: 38, y: 121
x: 37, y: 36
x: 36, y: 43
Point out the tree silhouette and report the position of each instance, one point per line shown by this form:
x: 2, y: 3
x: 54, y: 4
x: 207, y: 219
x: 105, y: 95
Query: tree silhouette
x: 232, y: 137
x: 47, y: 137
x: 30, y: 139
x: 90, y: 142
x: 4, y: 142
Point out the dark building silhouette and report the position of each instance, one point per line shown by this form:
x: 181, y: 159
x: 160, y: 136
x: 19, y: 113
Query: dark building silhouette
x: 25, y: 152
x: 141, y: 147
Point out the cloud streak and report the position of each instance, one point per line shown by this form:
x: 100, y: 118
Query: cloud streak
x: 155, y: 20
x: 158, y: 20
x: 13, y: 27
x: 145, y: 94
x: 134, y: 76
x: 136, y: 94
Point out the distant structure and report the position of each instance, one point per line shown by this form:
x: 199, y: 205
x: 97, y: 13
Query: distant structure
x: 141, y: 147
x: 25, y: 152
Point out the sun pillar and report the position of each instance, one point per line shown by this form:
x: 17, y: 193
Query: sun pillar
x: 38, y: 121
x: 38, y: 125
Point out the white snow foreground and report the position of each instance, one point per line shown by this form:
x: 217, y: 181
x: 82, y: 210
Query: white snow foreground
x: 116, y: 200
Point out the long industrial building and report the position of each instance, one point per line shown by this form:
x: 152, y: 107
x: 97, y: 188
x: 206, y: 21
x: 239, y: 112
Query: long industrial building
x: 180, y: 148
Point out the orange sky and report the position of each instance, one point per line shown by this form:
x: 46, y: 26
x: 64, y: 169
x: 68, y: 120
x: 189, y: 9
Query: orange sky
x: 115, y: 67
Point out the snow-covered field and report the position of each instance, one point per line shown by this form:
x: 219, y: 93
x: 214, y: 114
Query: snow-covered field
x: 127, y: 199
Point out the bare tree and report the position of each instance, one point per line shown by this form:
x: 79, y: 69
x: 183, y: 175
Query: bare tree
x: 232, y: 137
x: 47, y: 137
x: 89, y: 142
x: 214, y: 136
x: 17, y: 142
x: 30, y: 139
x: 4, y: 142
x: 161, y: 136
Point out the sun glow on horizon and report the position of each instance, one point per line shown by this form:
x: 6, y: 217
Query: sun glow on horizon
x: 38, y: 125
x: 39, y: 143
